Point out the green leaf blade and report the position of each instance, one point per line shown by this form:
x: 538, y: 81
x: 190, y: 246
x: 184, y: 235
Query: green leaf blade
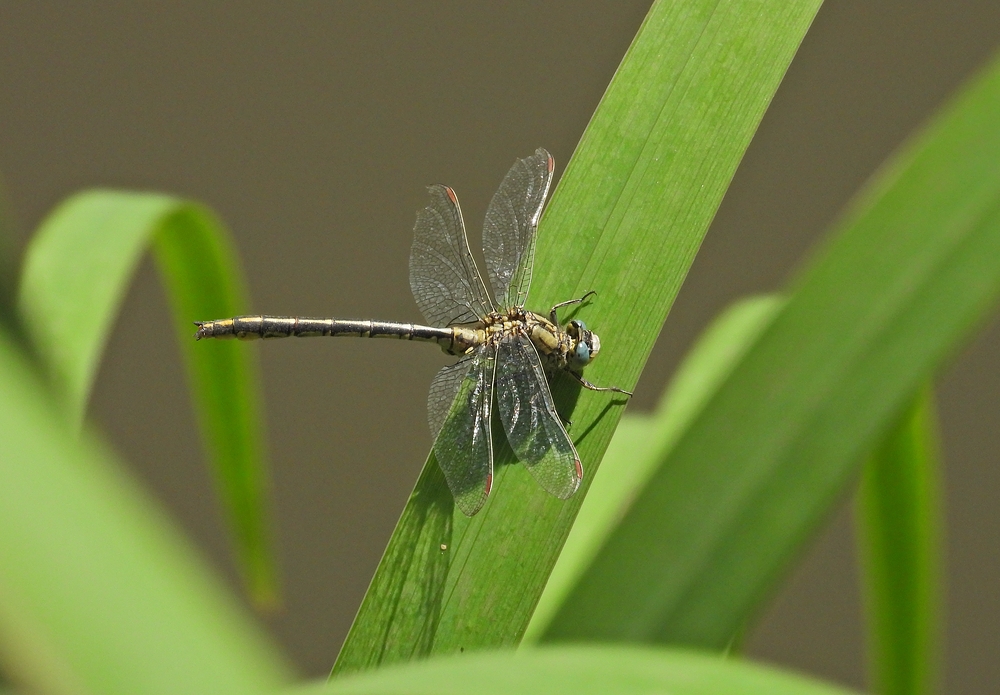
x: 580, y: 670
x: 77, y: 271
x: 98, y: 591
x: 912, y: 271
x: 198, y: 265
x: 641, y: 443
x: 625, y: 221
x: 898, y: 521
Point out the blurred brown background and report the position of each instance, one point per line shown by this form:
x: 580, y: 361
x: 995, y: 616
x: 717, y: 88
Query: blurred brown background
x: 312, y: 129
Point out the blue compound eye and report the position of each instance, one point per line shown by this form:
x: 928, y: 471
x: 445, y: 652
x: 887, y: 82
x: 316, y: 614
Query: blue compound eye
x: 582, y: 352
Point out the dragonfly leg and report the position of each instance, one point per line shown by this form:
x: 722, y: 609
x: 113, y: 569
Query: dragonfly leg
x: 552, y: 311
x: 586, y: 384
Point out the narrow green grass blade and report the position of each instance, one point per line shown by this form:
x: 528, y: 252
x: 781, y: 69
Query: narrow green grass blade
x: 201, y: 272
x: 898, y: 525
x: 626, y: 221
x: 577, y: 670
x: 77, y: 271
x: 914, y: 268
x: 641, y: 442
x: 98, y: 592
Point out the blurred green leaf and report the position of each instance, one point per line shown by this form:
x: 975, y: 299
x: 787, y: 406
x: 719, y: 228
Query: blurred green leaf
x: 98, y: 592
x: 77, y: 271
x: 913, y: 269
x: 626, y: 221
x: 580, y: 670
x: 898, y: 520
x: 641, y: 442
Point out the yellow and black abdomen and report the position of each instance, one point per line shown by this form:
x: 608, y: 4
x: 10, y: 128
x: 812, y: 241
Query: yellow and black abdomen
x: 255, y: 327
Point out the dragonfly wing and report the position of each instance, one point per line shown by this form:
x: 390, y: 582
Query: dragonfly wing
x: 459, y: 409
x: 443, y: 276
x: 509, y: 230
x: 444, y: 388
x: 529, y: 416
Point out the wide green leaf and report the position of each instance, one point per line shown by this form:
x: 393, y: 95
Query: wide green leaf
x: 899, y: 535
x: 626, y: 220
x: 99, y: 593
x: 77, y: 271
x: 911, y: 271
x: 579, y: 670
x: 641, y: 443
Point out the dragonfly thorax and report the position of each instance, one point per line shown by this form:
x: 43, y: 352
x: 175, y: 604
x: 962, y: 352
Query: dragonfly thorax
x: 571, y: 347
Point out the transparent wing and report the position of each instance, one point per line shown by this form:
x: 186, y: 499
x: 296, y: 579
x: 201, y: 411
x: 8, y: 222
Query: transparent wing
x: 509, y: 230
x: 443, y: 276
x: 444, y: 388
x: 459, y: 409
x: 529, y: 417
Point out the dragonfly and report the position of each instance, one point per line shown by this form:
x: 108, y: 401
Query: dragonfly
x: 506, y: 354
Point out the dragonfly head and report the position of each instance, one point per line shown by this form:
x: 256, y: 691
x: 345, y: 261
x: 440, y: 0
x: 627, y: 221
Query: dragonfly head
x: 587, y: 344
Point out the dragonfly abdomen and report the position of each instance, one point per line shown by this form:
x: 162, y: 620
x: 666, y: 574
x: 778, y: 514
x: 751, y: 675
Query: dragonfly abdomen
x: 254, y: 327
